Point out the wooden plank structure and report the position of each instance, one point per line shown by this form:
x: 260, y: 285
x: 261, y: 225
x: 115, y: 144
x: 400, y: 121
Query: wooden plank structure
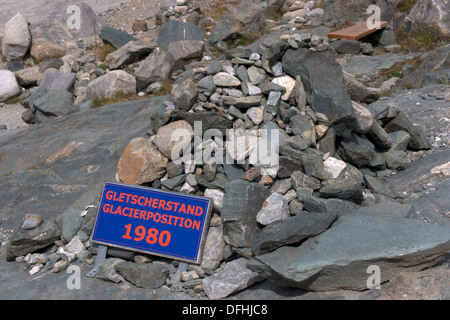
x: 356, y: 31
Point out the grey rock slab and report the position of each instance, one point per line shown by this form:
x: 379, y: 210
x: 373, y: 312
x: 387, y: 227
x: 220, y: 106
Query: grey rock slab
x: 110, y: 84
x: 231, y: 277
x: 339, y: 257
x: 144, y: 275
x: 26, y: 241
x: 10, y: 88
x: 128, y: 53
x: 157, y: 67
x: 115, y: 37
x: 241, y: 203
x: 290, y: 231
x: 176, y: 30
x: 326, y: 95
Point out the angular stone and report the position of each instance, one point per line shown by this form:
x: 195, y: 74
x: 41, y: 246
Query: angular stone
x: 242, y: 18
x: 290, y: 231
x: 54, y: 103
x: 176, y: 30
x: 115, y: 37
x: 220, y: 34
x: 128, y: 53
x: 338, y: 206
x: 364, y: 118
x: 339, y: 257
x: 400, y: 140
x: 401, y: 122
x: 357, y: 150
x: 334, y: 167
x: 303, y: 127
x: 274, y: 208
x: 299, y: 179
x: 42, y: 50
x: 346, y: 46
x: 242, y: 103
x: 241, y: 203
x: 110, y: 84
x: 163, y: 140
x: 28, y: 76
x: 31, y: 221
x: 300, y: 94
x: 345, y: 189
x: 16, y: 39
x: 144, y: 275
x: 26, y: 241
x: 397, y: 160
x: 213, y: 254
x: 217, y: 197
x: 326, y: 95
x: 232, y: 277
x: 141, y: 162
x: 379, y: 136
x: 357, y: 90
x: 184, y: 94
x: 184, y: 51
x: 157, y: 67
x: 287, y: 82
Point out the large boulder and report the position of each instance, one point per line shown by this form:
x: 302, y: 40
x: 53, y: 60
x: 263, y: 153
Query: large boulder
x: 176, y: 31
x: 157, y: 67
x: 115, y: 37
x: 131, y: 51
x: 432, y: 16
x: 246, y: 17
x: 326, y: 94
x: 17, y: 38
x: 141, y: 162
x: 340, y: 257
x: 110, y: 84
x: 9, y: 88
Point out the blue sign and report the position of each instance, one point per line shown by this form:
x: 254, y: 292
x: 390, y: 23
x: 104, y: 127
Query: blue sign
x: 154, y: 221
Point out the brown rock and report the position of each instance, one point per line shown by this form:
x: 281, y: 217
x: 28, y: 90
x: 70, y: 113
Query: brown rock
x: 166, y: 144
x: 141, y: 162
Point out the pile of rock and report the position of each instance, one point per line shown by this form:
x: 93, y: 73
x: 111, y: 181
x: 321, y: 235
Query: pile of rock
x: 179, y: 10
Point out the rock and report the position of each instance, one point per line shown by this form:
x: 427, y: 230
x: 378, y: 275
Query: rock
x: 300, y: 94
x: 14, y: 66
x: 397, y: 244
x: 346, y: 46
x: 299, y: 179
x: 139, y: 26
x: 364, y: 118
x: 400, y: 140
x: 176, y: 30
x: 256, y: 114
x: 209, y: 119
x: 345, y: 189
x: 115, y: 37
x: 110, y: 84
x: 75, y: 246
x: 184, y: 51
x: 128, y: 53
x: 429, y: 16
x: 213, y: 254
x: 290, y: 231
x: 42, y: 50
x: 379, y: 136
x: 232, y: 277
x: 326, y: 95
x: 28, y: 76
x: 273, y: 209
x: 108, y: 270
x: 334, y: 167
x: 337, y: 206
x: 217, y: 197
x: 144, y: 275
x: 55, y: 103
x: 288, y: 82
x: 397, y: 160
x: 388, y: 209
x: 60, y: 266
x: 220, y: 34
x: 243, y: 18
x: 241, y: 203
x: 16, y: 39
x: 303, y: 128
x: 184, y: 94
x: 357, y: 150
x: 157, y: 67
x: 10, y: 88
x: 357, y: 90
x: 31, y: 221
x: 224, y: 79
x: 141, y: 162
x: 206, y: 84
x: 26, y: 241
x: 242, y: 103
x: 401, y: 122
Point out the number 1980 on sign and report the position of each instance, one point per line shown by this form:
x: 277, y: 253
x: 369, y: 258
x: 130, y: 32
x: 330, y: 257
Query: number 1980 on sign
x: 151, y: 235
